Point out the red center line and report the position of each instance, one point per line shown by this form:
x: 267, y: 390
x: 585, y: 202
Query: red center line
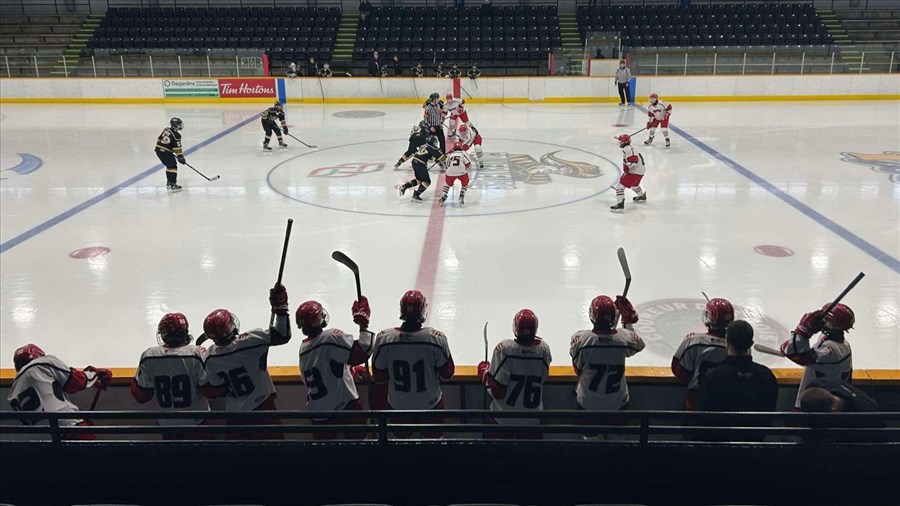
x: 431, y: 249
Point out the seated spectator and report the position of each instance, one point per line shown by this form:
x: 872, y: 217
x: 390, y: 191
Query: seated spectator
x: 474, y: 72
x: 365, y: 8
x: 398, y: 68
x: 419, y: 70
x: 439, y: 71
x: 454, y: 72
x: 292, y: 70
x: 325, y: 71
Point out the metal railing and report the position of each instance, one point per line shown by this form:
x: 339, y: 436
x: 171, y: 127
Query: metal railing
x: 646, y: 428
x: 244, y: 63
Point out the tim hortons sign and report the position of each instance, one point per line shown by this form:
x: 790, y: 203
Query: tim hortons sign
x: 247, y: 88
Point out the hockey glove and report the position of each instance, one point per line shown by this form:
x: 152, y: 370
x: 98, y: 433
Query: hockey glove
x: 360, y: 374
x: 648, y: 124
x: 278, y: 299
x: 181, y: 159
x: 286, y: 131
x: 810, y: 324
x: 629, y: 315
x: 361, y: 312
x: 102, y: 377
x: 482, y: 370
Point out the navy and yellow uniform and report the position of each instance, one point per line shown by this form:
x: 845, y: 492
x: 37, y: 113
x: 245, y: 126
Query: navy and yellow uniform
x: 427, y: 153
x: 169, y: 151
x: 417, y: 138
x: 271, y: 118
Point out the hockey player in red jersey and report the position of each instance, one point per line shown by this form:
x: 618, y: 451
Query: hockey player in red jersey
x: 699, y: 353
x: 458, y: 164
x: 410, y: 361
x: 516, y: 374
x: 237, y: 363
x: 659, y: 113
x: 633, y: 172
x: 331, y: 360
x: 173, y: 373
x: 42, y: 383
x: 829, y: 359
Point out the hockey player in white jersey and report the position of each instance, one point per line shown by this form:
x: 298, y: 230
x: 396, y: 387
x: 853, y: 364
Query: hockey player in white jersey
x: 330, y: 360
x: 237, y: 363
x: 458, y: 163
x: 470, y: 138
x: 598, y: 355
x: 173, y: 373
x: 409, y: 362
x: 455, y: 110
x: 828, y: 360
x: 633, y: 169
x: 43, y: 382
x: 516, y: 374
x: 659, y: 113
x: 698, y: 353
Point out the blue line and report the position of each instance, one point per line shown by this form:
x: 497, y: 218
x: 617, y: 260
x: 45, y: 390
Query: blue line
x: 867, y: 247
x: 56, y: 220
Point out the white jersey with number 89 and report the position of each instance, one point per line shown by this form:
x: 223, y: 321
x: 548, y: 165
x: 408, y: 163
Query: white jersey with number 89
x: 175, y: 375
x: 412, y: 360
x: 241, y: 366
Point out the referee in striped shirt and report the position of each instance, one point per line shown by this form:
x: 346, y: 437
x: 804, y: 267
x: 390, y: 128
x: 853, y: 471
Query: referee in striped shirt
x: 434, y: 118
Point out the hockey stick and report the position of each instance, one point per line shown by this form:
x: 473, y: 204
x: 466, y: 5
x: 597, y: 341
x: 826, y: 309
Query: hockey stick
x: 464, y: 91
x: 350, y: 264
x: 639, y: 131
x: 95, y: 399
x: 284, y: 249
x: 202, y: 174
x: 485, y: 399
x: 310, y: 146
x: 852, y: 284
x: 415, y: 87
x: 705, y: 296
x: 767, y: 350
x: 625, y: 270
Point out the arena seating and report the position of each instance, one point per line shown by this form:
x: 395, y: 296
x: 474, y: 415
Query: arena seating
x: 765, y: 24
x: 287, y: 33
x: 451, y: 35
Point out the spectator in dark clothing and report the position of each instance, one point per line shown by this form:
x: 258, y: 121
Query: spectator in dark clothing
x: 365, y: 8
x: 454, y: 72
x: 398, y: 69
x: 312, y: 68
x: 419, y: 70
x: 487, y: 9
x: 739, y: 384
x: 831, y: 397
x: 374, y: 65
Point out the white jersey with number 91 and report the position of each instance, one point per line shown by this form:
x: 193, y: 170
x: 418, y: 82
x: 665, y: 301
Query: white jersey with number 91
x: 412, y: 360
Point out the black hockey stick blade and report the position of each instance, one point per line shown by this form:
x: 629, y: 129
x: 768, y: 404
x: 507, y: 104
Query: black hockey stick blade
x: 344, y: 259
x: 705, y: 296
x: 214, y: 178
x: 310, y: 146
x: 623, y: 261
x: 202, y: 338
x: 485, y: 342
x: 852, y: 284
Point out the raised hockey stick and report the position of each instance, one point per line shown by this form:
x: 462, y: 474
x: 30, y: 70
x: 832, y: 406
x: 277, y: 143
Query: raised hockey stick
x: 484, y: 401
x: 767, y: 350
x: 623, y: 261
x: 310, y: 146
x: 202, y: 174
x: 852, y: 284
x: 350, y: 264
x: 284, y: 249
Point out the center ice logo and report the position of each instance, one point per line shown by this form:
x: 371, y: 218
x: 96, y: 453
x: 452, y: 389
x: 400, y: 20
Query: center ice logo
x: 665, y: 322
x: 887, y: 162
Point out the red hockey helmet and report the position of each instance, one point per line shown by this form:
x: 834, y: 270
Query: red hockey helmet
x: 311, y: 314
x: 654, y: 98
x: 26, y: 354
x: 624, y: 140
x: 172, y: 330
x: 463, y: 129
x: 719, y: 313
x: 413, y: 307
x: 449, y: 97
x: 840, y: 317
x: 604, y: 314
x: 222, y: 326
x: 458, y: 146
x: 525, y: 324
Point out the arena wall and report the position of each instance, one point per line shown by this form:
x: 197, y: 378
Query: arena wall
x: 485, y: 90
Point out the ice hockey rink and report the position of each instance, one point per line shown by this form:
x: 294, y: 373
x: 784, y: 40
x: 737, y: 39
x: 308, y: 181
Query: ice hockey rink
x: 773, y: 205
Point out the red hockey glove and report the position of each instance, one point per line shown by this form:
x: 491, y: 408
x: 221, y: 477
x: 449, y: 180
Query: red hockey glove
x: 360, y: 374
x: 810, y: 324
x: 482, y: 370
x: 104, y: 376
x: 629, y: 315
x: 649, y: 123
x: 625, y: 168
x: 361, y: 312
x: 278, y: 299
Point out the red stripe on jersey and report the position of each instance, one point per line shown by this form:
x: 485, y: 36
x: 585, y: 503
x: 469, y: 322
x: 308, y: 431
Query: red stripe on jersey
x: 140, y: 393
x: 680, y: 372
x: 498, y: 391
x: 446, y: 373
x: 77, y: 381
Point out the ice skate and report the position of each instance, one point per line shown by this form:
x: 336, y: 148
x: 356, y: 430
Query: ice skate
x: 649, y: 140
x: 417, y: 198
x: 668, y: 143
x: 442, y: 201
x: 173, y: 188
x: 618, y: 208
x: 480, y: 164
x: 402, y: 191
x: 640, y: 198
x: 282, y: 144
x: 266, y: 147
x: 462, y: 201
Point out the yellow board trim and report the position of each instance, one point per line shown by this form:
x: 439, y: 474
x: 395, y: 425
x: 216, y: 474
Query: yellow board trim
x: 382, y: 100
x: 558, y: 374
